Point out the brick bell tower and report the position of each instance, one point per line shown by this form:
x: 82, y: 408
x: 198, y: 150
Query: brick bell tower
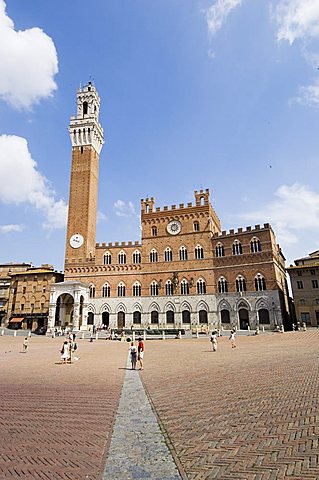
x: 87, y: 140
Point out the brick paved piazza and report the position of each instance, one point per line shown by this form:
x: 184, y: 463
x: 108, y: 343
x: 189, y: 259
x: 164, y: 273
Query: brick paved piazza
x: 245, y: 413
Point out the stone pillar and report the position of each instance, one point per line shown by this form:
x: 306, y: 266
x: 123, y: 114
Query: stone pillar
x: 76, y: 316
x: 194, y: 319
x: 51, y: 317
x: 211, y: 318
x: 145, y: 319
x: 253, y: 319
x: 84, y: 325
x: 178, y: 320
x: 234, y: 322
x: 128, y: 320
x: 113, y: 320
x: 215, y: 320
x: 97, y: 319
x: 162, y: 320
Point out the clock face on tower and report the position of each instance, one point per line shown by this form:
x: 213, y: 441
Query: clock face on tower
x: 76, y: 241
x: 174, y: 227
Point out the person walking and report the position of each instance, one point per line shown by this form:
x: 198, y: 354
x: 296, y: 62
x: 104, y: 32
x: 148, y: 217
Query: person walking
x: 140, y: 352
x: 65, y: 352
x: 133, y: 352
x: 232, y: 339
x: 213, y: 339
x: 25, y: 345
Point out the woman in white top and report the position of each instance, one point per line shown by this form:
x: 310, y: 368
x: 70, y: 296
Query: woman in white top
x: 65, y: 352
x: 232, y: 339
x: 213, y: 339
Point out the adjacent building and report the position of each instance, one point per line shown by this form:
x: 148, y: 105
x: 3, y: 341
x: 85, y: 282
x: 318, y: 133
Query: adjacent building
x: 28, y: 302
x: 6, y: 270
x: 186, y: 272
x: 304, y: 277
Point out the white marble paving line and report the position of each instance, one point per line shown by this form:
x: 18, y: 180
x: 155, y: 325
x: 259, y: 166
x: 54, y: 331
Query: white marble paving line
x: 138, y: 449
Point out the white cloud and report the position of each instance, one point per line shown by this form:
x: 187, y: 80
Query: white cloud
x: 23, y: 183
x: 28, y: 63
x: 101, y: 217
x: 297, y: 19
x: 217, y: 14
x: 294, y: 211
x: 11, y: 228
x: 309, y: 95
x: 123, y: 209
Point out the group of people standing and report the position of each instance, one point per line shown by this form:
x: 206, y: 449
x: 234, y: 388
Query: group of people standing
x: 215, y: 334
x: 69, y: 346
x: 137, y: 354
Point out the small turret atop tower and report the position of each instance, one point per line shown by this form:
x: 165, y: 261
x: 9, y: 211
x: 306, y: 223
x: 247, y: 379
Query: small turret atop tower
x: 201, y: 197
x: 85, y: 128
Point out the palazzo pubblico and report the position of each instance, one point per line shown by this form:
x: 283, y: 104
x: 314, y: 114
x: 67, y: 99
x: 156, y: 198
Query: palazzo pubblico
x: 186, y: 272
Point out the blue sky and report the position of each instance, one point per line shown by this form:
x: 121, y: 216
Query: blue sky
x: 194, y: 94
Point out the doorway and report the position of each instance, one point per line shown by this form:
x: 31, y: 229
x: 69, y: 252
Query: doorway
x: 120, y: 320
x: 243, y: 319
x: 105, y: 319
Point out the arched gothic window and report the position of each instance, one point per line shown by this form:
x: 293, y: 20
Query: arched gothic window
x: 153, y: 256
x: 121, y: 290
x: 184, y: 287
x: 122, y: 257
x: 196, y: 226
x: 201, y: 287
x: 168, y: 255
x: 199, y: 252
x: 260, y: 283
x: 107, y: 260
x: 90, y: 320
x: 137, y: 317
x: 154, y: 288
x: 186, y: 316
x: 203, y: 317
x: 169, y: 316
x: 183, y: 253
x: 154, y: 316
x: 240, y: 284
x: 106, y: 290
x: 137, y: 256
x: 92, y: 291
x: 222, y: 285
x: 136, y: 289
x: 263, y: 316
x: 220, y: 250
x: 255, y: 245
x: 169, y: 290
x: 237, y: 248
x: 225, y: 316
x: 85, y: 108
x: 154, y: 231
